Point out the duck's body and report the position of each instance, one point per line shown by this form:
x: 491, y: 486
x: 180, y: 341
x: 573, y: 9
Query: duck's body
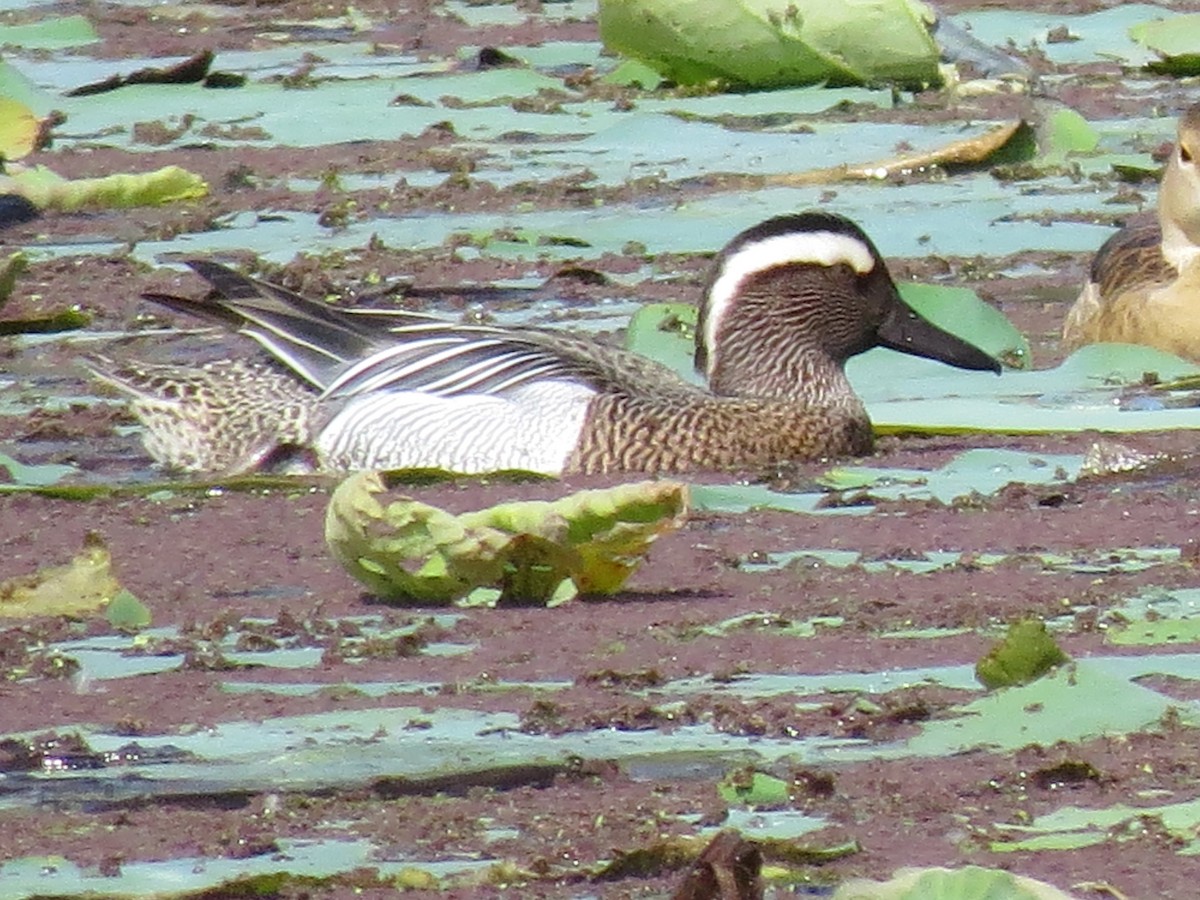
x: 1144, y: 282
x: 788, y: 302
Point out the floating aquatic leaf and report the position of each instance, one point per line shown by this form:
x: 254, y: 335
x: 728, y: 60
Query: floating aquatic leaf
x: 1156, y: 617
x: 1026, y: 653
x: 734, y: 498
x: 969, y: 883
x: 1066, y: 132
x: 632, y: 73
x: 127, y: 613
x: 22, y: 475
x: 961, y: 312
x: 1099, y: 387
x: 773, y: 623
x: 50, y: 34
x: 81, y: 586
x: 50, y: 191
x: 1072, y: 827
x: 18, y: 129
x: 981, y: 472
x: 755, y: 789
x: 665, y: 332
x: 1176, y: 39
x: 762, y: 44
x: 529, y: 550
x: 1085, y: 699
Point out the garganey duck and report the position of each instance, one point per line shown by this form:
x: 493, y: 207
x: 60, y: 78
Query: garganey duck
x: 1144, y: 284
x: 786, y: 304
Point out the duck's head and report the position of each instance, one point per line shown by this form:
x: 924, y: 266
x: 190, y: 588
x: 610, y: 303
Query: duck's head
x: 1179, y: 193
x: 796, y: 295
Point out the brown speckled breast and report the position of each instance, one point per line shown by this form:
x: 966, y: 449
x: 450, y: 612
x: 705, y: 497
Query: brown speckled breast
x: 636, y: 434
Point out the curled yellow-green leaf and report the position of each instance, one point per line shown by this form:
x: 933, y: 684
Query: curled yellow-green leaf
x: 529, y: 551
x: 79, y: 587
x: 18, y: 129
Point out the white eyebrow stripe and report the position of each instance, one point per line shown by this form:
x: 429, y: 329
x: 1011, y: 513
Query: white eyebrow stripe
x: 823, y: 248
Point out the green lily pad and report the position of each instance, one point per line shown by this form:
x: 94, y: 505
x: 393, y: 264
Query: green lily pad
x: 1067, y: 132
x: 1071, y: 827
x: 22, y: 475
x: 665, y: 332
x: 1082, y: 700
x: 523, y: 552
x: 961, y: 312
x: 632, y: 73
x: 759, y: 43
x: 50, y: 34
x: 1156, y: 617
x: 754, y: 789
x: 970, y: 883
x: 17, y: 87
x: 1175, y: 39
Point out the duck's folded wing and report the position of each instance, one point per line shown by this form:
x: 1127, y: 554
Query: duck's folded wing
x: 313, y: 339
x: 448, y: 360
x: 344, y: 352
x: 348, y: 353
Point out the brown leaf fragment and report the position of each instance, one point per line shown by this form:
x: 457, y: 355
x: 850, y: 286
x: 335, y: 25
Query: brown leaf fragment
x: 190, y: 71
x: 729, y: 869
x: 1007, y: 139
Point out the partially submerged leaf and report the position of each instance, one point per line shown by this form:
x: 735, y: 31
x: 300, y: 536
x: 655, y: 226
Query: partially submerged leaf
x: 408, y: 550
x: 1026, y: 654
x: 970, y: 883
x: 50, y: 191
x: 50, y: 34
x: 1071, y: 827
x: 632, y: 73
x: 19, y: 129
x: 961, y: 312
x: 665, y: 332
x: 1175, y: 39
x: 759, y: 43
x: 22, y: 475
x: 81, y: 586
x: 753, y: 789
x: 1065, y: 132
x: 127, y: 613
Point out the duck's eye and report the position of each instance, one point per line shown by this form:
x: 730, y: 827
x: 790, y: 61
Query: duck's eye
x: 1185, y: 155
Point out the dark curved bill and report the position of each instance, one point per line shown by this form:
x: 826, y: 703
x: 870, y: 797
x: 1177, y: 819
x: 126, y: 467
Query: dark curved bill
x: 904, y: 330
